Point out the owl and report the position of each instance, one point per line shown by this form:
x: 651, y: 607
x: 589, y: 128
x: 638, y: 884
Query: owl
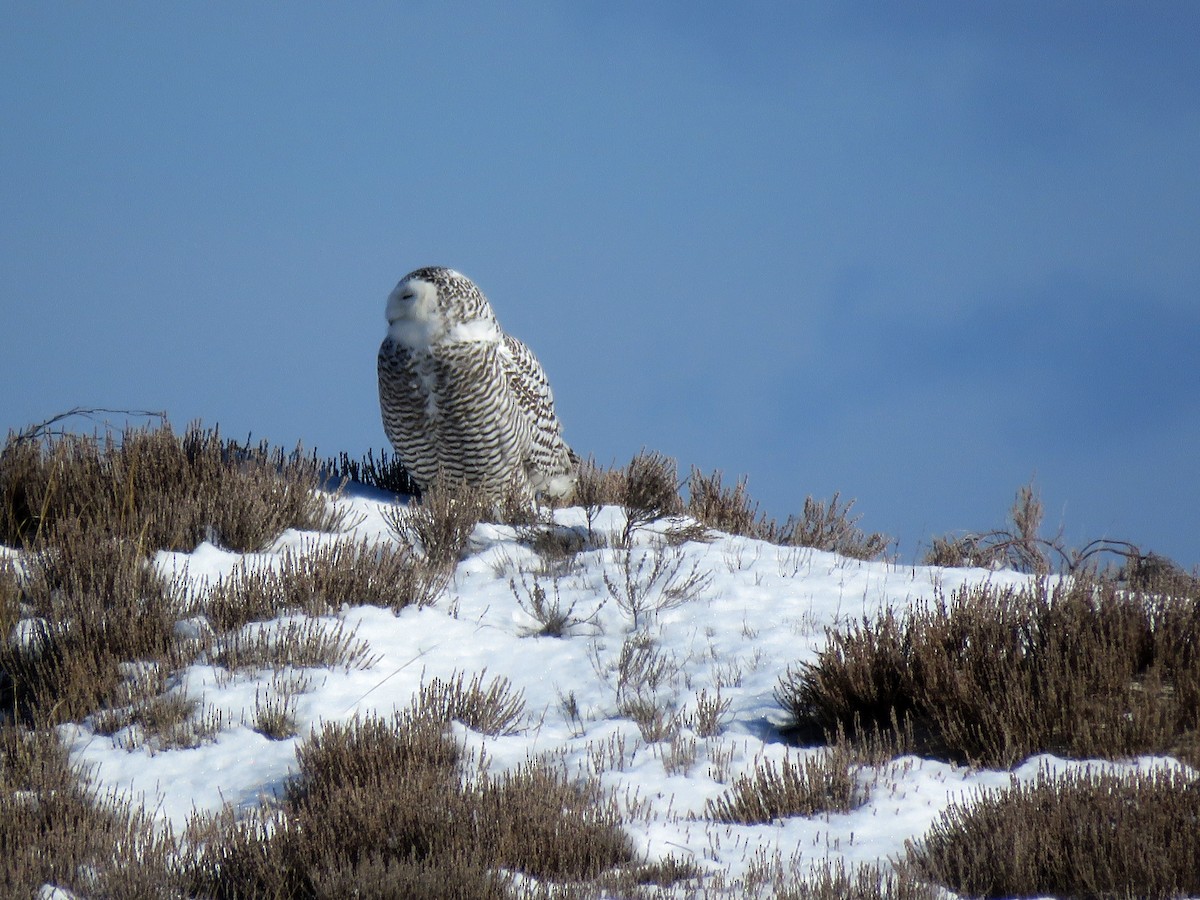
x: 461, y: 397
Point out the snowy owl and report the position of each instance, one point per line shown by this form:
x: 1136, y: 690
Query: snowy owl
x: 460, y: 396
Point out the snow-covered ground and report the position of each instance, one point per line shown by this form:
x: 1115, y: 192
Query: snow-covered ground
x: 752, y: 610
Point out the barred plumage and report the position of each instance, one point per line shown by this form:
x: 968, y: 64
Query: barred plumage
x: 460, y: 396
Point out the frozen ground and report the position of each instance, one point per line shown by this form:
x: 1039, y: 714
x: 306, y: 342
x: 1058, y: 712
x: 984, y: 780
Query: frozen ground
x: 752, y: 610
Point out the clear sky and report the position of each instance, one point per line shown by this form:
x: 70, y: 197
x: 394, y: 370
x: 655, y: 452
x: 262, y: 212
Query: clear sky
x: 916, y: 257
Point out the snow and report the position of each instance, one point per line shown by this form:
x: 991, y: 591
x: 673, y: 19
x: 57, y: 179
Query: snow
x: 752, y: 610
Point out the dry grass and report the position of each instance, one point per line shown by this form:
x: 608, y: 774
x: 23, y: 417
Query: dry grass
x: 992, y: 676
x: 493, y: 710
x: 823, y: 526
x: 292, y: 643
x: 647, y: 489
x: 708, y: 717
x: 1083, y: 834
x: 391, y: 807
x: 800, y: 878
x: 148, y: 712
x: 321, y: 582
x: 157, y: 489
x: 87, y: 607
x: 726, y: 509
x: 384, y: 803
x: 441, y: 524
x: 831, y: 528
x: 820, y: 783
x: 54, y: 830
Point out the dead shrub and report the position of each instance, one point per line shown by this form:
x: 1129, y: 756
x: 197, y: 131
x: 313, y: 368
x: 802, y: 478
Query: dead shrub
x: 494, y: 710
x: 993, y: 676
x: 1081, y: 834
x: 377, y: 799
x: 647, y: 489
x: 553, y: 618
x: 1020, y: 547
x: 163, y: 491
x: 822, y: 782
x: 653, y: 580
x: 441, y: 524
x: 830, y: 528
x: 55, y: 830
x: 293, y: 643
x: 89, y: 605
x: 726, y: 509
x: 320, y: 583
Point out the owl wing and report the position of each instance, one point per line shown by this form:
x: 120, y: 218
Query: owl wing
x: 531, y: 389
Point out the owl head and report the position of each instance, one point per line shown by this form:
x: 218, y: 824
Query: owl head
x: 435, y: 306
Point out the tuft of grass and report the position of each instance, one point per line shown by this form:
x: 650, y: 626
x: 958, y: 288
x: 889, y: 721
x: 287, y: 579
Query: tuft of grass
x: 647, y: 489
x: 557, y: 548
x: 726, y: 509
x: 320, y: 583
x: 441, y: 524
x: 158, y: 489
x: 386, y: 473
x: 275, y: 707
x: 830, y: 528
x: 1077, y: 668
x: 493, y: 710
x: 1082, y: 834
x: 796, y: 879
x: 820, y: 783
x: 708, y: 718
x: 149, y: 712
x: 655, y: 720
x: 293, y: 643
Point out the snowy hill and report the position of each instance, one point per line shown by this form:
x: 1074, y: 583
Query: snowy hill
x: 688, y: 638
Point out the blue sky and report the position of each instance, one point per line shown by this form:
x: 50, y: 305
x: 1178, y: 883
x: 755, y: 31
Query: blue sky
x: 916, y: 257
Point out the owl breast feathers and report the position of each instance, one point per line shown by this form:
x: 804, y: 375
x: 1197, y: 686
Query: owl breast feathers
x: 462, y: 398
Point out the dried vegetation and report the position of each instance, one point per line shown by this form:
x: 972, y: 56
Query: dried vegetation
x: 991, y: 676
